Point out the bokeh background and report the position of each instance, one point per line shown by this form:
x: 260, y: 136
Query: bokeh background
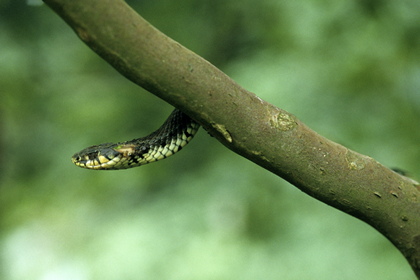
x: 348, y: 69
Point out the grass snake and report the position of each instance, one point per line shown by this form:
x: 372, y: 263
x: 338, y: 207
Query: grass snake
x: 168, y: 139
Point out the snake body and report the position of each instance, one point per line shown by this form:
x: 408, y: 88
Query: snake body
x: 170, y: 138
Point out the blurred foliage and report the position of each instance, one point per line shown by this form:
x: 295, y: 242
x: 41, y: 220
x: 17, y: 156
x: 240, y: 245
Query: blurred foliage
x: 349, y: 69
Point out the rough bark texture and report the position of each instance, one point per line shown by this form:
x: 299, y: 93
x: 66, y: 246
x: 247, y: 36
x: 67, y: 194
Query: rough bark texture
x: 251, y: 127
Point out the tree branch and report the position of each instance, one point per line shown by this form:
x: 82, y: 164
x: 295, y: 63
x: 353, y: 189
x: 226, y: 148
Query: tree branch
x: 249, y: 126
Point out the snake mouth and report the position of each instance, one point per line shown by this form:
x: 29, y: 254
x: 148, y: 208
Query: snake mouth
x: 101, y: 162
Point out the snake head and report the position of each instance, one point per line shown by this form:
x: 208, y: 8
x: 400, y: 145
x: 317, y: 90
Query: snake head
x: 97, y: 157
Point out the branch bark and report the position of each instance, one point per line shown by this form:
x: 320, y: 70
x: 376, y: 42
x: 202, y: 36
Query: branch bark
x: 249, y: 126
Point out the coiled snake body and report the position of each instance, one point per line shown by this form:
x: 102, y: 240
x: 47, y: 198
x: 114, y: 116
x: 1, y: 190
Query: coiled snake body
x: 174, y: 134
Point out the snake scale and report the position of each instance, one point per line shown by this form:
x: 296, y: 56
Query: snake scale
x: 168, y: 139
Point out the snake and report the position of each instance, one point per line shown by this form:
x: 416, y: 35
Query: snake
x: 176, y: 132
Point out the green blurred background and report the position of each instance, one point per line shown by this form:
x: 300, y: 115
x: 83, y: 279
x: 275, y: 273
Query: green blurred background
x: 348, y: 69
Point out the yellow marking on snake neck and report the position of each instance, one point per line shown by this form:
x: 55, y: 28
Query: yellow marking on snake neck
x: 126, y: 150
